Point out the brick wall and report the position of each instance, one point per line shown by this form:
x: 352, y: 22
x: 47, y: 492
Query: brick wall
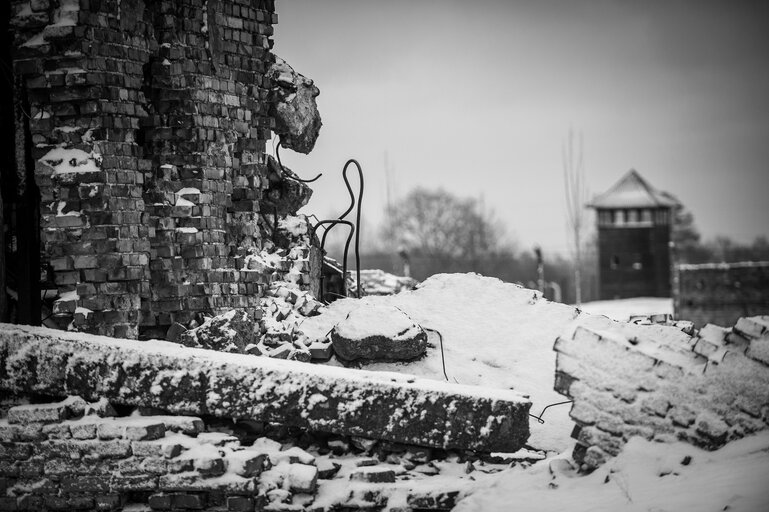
x: 148, y: 123
x: 660, y: 383
x: 72, y: 455
x: 721, y: 293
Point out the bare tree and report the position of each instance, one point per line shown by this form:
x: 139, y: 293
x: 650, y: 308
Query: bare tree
x: 576, y: 197
x: 437, y: 224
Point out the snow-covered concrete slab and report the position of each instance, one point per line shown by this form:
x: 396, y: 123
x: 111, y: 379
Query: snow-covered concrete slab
x: 182, y: 380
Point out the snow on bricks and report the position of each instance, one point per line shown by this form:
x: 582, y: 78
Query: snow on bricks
x: 377, y: 405
x: 167, y: 462
x: 660, y: 383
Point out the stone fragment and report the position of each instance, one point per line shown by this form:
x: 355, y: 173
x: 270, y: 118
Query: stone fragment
x: 374, y: 475
x: 296, y: 455
x: 712, y: 428
x: 327, y: 469
x: 321, y: 351
x: 147, y: 431
x: 753, y: 327
x: 57, y: 431
x: 375, y: 332
x: 83, y: 430
x: 37, y: 413
x: 655, y: 405
x: 228, y: 332
x: 248, y: 463
x: 432, y: 500
x: 363, y: 443
x: 302, y: 478
x: 297, y: 119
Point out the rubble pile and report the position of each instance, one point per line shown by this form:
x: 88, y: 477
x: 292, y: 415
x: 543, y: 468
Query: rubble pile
x: 271, y: 328
x: 72, y: 455
x: 661, y: 383
x: 379, y: 282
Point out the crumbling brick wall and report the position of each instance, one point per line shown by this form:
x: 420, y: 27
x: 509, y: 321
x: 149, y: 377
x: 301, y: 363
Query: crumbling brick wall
x: 721, y: 293
x: 147, y: 125
x: 54, y: 457
x: 660, y: 383
x: 73, y: 455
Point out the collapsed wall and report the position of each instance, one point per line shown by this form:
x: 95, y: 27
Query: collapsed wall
x: 661, y: 383
x: 721, y: 293
x: 147, y: 126
x: 75, y: 455
x: 180, y: 380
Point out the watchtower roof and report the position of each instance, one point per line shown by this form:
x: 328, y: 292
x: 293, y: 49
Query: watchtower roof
x: 632, y: 191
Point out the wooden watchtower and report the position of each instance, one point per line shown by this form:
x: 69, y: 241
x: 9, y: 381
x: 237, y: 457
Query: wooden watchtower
x: 634, y: 233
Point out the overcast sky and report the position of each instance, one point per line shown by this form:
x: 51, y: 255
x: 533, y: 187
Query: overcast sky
x: 478, y: 97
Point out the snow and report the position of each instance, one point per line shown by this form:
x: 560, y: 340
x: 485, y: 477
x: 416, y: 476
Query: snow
x: 645, y: 476
x: 61, y: 213
x: 366, y: 321
x: 188, y: 190
x: 623, y: 309
x: 499, y: 335
x: 68, y: 296
x: 496, y: 335
x: 71, y: 160
x: 295, y: 225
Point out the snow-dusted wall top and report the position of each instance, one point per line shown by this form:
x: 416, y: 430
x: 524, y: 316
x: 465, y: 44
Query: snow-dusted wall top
x: 378, y: 405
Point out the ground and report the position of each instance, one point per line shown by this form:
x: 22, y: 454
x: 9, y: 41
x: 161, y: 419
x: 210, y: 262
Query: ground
x: 500, y: 335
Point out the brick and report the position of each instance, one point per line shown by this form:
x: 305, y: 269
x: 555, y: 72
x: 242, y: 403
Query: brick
x: 125, y: 483
x: 42, y: 413
x: 113, y: 449
x: 373, y: 475
x: 88, y: 483
x: 160, y: 501
x: 240, y: 504
x: 145, y: 432
x: 15, y: 451
x: 83, y: 430
x: 188, y: 501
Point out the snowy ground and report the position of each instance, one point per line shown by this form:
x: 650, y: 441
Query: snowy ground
x: 622, y: 309
x: 646, y: 476
x: 499, y: 335
x: 495, y: 334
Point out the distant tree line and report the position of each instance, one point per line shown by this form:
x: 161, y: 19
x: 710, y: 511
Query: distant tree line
x: 434, y: 231
x: 689, y: 247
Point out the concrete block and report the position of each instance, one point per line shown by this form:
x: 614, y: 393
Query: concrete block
x: 337, y: 400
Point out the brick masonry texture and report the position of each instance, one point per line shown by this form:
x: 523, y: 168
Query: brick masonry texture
x: 81, y: 460
x: 660, y: 383
x: 341, y: 401
x: 148, y: 128
x: 721, y: 293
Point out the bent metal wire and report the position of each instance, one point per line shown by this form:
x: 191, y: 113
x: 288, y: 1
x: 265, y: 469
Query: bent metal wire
x: 354, y: 228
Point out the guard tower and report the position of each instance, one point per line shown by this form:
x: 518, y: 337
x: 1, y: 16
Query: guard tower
x: 634, y: 232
